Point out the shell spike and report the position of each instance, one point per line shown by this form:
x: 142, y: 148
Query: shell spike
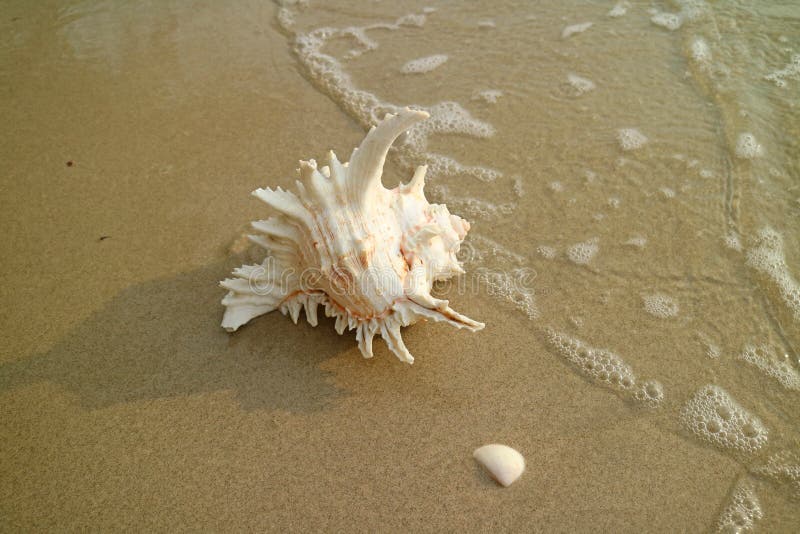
x: 341, y: 323
x: 417, y: 183
x: 364, y: 337
x: 366, y: 163
x: 311, y: 310
x: 390, y: 332
x: 338, y: 171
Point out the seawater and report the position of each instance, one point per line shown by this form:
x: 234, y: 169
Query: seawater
x: 648, y: 153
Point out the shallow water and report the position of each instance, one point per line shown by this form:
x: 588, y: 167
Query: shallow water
x: 633, y: 191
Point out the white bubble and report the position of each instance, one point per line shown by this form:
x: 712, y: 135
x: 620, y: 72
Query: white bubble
x: 732, y: 241
x: 715, y: 417
x: 518, y: 187
x: 712, y: 349
x: 328, y: 74
x: 556, y: 187
x: 604, y: 367
x: 670, y: 21
x: 773, y: 363
x: 741, y: 512
x: 789, y: 72
x: 486, y: 24
x: 582, y: 253
x: 579, y: 84
x: 700, y: 51
x: 747, y: 147
x: 782, y: 468
x: 637, y: 241
x: 650, y: 393
x: 614, y: 202
x: 413, y: 19
x: 474, y: 207
x: 767, y: 257
x: 575, y: 28
x: 489, y: 96
x: 631, y: 138
x: 546, y: 252
x: 619, y: 9
x: 667, y: 192
x: 424, y: 64
x: 510, y: 280
x: 660, y: 305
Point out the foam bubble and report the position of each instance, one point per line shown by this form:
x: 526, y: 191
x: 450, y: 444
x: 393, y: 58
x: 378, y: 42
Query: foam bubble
x: 741, y: 512
x: 667, y: 192
x: 767, y: 257
x: 712, y: 349
x: 579, y: 84
x: 441, y: 165
x: 650, y: 393
x: 614, y: 202
x: 285, y: 18
x: 706, y: 173
x: 789, y: 72
x: 582, y: 253
x: 782, y: 468
x: 511, y: 281
x: 546, y: 252
x: 747, y: 147
x: 715, y: 417
x: 518, y: 187
x: 575, y: 28
x: 637, y: 241
x: 424, y: 64
x: 700, y: 51
x: 605, y: 368
x: 327, y: 73
x: 732, y: 241
x: 486, y: 24
x: 772, y: 363
x: 474, y: 207
x: 619, y: 9
x: 631, y: 138
x: 413, y: 19
x: 556, y: 187
x: 660, y: 305
x: 670, y: 21
x: 489, y: 96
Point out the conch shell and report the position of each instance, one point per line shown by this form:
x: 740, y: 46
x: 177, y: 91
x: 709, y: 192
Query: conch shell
x: 368, y: 254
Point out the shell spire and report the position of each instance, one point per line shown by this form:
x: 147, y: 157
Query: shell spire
x: 366, y: 254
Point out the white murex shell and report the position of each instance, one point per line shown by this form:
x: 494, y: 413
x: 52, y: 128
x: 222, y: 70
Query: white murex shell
x: 368, y: 254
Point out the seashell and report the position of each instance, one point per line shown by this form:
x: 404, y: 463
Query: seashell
x: 503, y: 463
x: 368, y: 255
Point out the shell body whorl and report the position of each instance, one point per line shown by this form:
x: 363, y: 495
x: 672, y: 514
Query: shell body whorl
x: 367, y: 254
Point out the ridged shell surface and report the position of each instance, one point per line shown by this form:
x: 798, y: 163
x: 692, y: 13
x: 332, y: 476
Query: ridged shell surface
x: 366, y: 254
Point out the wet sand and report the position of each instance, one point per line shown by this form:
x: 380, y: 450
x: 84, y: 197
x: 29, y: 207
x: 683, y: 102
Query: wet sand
x: 127, y: 407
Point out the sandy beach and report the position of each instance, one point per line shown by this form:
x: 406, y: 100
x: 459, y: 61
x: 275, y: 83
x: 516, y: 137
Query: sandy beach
x: 134, y: 135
